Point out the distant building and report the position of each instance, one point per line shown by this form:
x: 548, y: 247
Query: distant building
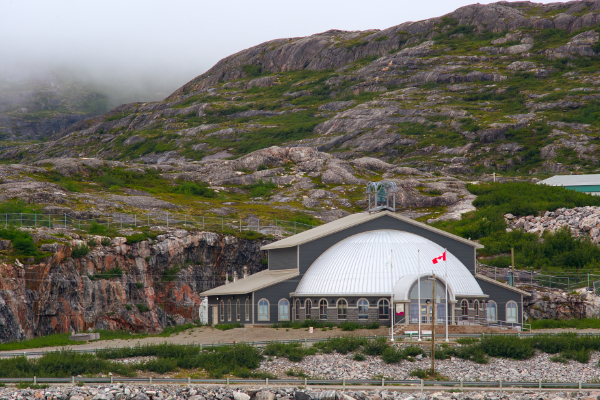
x: 341, y: 271
x: 580, y: 183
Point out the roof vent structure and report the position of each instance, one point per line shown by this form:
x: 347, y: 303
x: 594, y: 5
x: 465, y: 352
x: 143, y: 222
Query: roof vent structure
x: 379, y: 194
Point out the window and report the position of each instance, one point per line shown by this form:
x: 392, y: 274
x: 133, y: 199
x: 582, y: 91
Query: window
x: 263, y: 310
x: 323, y: 309
x: 222, y: 316
x: 384, y: 309
x: 511, y: 311
x: 284, y: 310
x: 228, y: 310
x: 363, y: 309
x: 308, y: 309
x: 298, y: 310
x: 238, y: 310
x: 492, y: 316
x: 342, y: 307
x: 440, y: 313
x: 247, y: 309
x: 464, y: 307
x: 476, y: 307
x: 414, y: 313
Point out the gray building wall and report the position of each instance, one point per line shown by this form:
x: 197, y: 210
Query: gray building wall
x: 283, y: 258
x: 273, y: 294
x: 230, y: 318
x: 502, y: 296
x: 309, y: 252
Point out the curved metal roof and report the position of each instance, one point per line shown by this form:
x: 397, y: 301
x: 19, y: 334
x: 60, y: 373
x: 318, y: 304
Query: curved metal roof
x: 357, y: 266
x: 402, y: 287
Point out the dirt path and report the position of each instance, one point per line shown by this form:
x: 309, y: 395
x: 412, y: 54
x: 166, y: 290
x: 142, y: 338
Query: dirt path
x: 208, y: 335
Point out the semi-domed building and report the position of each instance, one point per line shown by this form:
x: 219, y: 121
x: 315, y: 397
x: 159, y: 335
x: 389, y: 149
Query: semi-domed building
x: 353, y: 269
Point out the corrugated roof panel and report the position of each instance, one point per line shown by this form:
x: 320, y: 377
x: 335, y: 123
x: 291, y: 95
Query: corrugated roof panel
x: 253, y: 282
x: 357, y: 265
x: 572, y: 180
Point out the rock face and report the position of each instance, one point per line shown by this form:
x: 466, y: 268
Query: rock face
x: 164, y: 277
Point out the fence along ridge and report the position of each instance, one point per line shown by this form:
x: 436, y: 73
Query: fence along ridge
x: 210, y: 223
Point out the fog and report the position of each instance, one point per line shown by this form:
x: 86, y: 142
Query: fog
x: 144, y: 50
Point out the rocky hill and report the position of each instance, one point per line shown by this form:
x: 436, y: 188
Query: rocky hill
x: 292, y: 129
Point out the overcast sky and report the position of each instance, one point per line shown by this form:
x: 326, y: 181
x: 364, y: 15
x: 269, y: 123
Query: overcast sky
x: 173, y: 41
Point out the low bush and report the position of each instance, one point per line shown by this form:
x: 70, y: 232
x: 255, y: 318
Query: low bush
x: 97, y: 229
x: 342, y: 345
x: 92, y: 243
x: 507, y: 347
x: 296, y: 372
x: 358, y: 357
x: 194, y: 189
x: 108, y: 274
x: 245, y: 373
x: 142, y: 307
x: 394, y: 354
x: 135, y: 238
x: 375, y: 347
x: 350, y: 326
x: 292, y: 351
x: 22, y: 242
x: 80, y: 251
x: 226, y: 327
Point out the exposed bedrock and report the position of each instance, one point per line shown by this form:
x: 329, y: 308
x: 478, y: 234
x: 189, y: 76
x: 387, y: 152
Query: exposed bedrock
x: 140, y: 287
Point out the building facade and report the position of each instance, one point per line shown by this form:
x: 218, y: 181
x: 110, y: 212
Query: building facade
x: 368, y: 267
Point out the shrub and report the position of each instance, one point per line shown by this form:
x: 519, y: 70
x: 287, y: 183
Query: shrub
x: 358, y: 357
x: 467, y: 340
x: 22, y: 242
x: 107, y: 274
x: 139, y: 285
x: 342, y: 345
x: 92, y: 243
x: 372, y: 325
x: 170, y: 274
x: 226, y: 327
x: 392, y: 355
x: 105, y: 242
x: 296, y: 372
x: 80, y: 251
x: 508, y: 347
x: 193, y: 189
x: 375, y: 347
x: 261, y: 188
x: 97, y: 229
x: 135, y: 238
x: 142, y: 307
x: 292, y: 351
x: 252, y: 71
x: 128, y: 307
x: 349, y: 326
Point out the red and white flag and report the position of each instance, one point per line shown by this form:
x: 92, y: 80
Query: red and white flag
x: 442, y: 257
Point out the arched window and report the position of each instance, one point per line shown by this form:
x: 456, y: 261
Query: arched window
x: 297, y: 309
x: 464, y: 307
x: 342, y: 307
x: 384, y: 309
x: 263, y: 310
x: 238, y: 310
x: 308, y: 309
x: 323, y: 309
x: 476, y: 307
x: 363, y: 309
x: 492, y: 316
x: 228, y: 310
x: 222, y: 316
x: 247, y: 309
x: 284, y: 310
x: 511, y: 311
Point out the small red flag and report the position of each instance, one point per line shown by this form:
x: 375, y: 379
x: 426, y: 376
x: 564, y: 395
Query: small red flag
x: 442, y: 257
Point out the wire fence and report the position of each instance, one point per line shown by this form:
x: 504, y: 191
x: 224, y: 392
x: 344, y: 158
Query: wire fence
x: 133, y: 221
x: 568, y: 282
x: 341, y: 383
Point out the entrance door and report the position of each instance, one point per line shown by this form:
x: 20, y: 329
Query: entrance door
x: 425, y: 313
x: 215, y: 315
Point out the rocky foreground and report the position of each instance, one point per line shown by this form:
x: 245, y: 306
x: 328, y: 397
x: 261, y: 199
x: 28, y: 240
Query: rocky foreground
x: 338, y: 366
x: 123, y: 392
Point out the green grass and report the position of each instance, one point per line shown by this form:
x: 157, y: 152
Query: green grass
x: 576, y: 323
x: 294, y: 352
x: 226, y: 327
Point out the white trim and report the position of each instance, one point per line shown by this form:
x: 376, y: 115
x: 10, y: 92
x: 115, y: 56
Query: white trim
x: 337, y: 308
x: 268, y: 310
x: 389, y: 310
x: 354, y: 220
x: 308, y: 315
x: 516, y: 309
x: 279, y: 310
x: 504, y: 285
x: 368, y: 306
x: 326, y: 308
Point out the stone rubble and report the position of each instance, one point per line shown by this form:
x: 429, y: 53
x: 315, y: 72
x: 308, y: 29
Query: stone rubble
x: 338, y: 366
x: 581, y: 221
x: 189, y: 392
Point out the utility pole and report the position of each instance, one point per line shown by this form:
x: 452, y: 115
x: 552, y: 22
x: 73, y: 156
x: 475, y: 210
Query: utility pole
x: 433, y: 330
x: 512, y: 261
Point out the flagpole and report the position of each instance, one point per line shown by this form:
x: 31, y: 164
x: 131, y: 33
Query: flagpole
x: 392, y: 310
x: 419, y: 289
x: 447, y: 300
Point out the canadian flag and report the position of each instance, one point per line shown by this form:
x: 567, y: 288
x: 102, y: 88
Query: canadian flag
x: 442, y: 257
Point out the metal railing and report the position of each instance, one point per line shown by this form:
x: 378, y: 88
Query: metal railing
x: 123, y: 221
x: 531, y: 278
x: 341, y: 383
